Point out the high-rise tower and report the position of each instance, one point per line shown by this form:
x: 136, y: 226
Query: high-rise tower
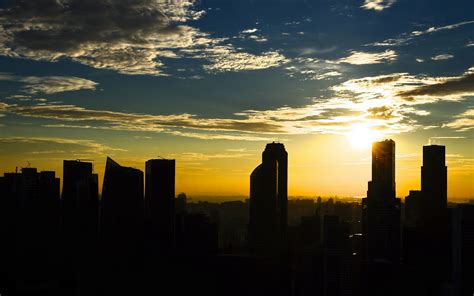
x: 121, y: 214
x: 434, y: 179
x: 159, y: 203
x: 381, y: 209
x: 269, y: 202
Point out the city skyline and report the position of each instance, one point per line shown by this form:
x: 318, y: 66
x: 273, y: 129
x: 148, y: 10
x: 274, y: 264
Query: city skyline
x: 140, y: 235
x: 208, y: 82
x: 404, y: 193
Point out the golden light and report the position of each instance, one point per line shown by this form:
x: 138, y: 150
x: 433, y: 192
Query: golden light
x: 361, y: 136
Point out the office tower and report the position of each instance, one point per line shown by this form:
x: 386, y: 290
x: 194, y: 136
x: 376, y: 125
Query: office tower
x: 80, y: 200
x: 381, y: 209
x: 121, y: 215
x: 463, y: 247
x: 37, y: 200
x: 159, y: 203
x: 32, y: 201
x: 434, y: 181
x: 180, y: 203
x: 413, y: 208
x: 336, y: 256
x: 80, y: 217
x: 427, y: 231
x: 268, y: 202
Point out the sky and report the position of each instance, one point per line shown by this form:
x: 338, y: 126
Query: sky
x: 210, y: 82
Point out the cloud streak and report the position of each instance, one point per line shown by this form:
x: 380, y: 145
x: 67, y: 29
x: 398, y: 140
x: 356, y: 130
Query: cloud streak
x: 388, y: 104
x: 378, y: 5
x: 50, y: 84
x: 407, y: 37
x: 75, y: 146
x: 365, y: 58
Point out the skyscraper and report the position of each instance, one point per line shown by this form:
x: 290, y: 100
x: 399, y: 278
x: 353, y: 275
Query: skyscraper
x: 80, y: 199
x: 121, y: 214
x: 427, y: 235
x: 80, y: 217
x: 269, y: 202
x: 31, y: 201
x: 434, y: 180
x: 159, y: 203
x: 381, y: 209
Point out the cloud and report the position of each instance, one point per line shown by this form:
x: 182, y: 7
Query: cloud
x: 397, y: 98
x: 409, y: 89
x: 451, y: 88
x: 407, y: 37
x: 49, y: 84
x: 314, y: 69
x: 364, y: 58
x: 442, y: 57
x: 131, y: 37
x: 463, y: 122
x: 378, y: 5
x: 326, y: 75
x: 196, y: 156
x: 249, y: 31
x: 226, y: 58
x: 388, y: 104
x: 137, y: 121
x: 43, y: 145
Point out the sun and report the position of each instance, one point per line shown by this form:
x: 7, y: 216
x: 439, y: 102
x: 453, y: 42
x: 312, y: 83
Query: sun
x: 361, y: 137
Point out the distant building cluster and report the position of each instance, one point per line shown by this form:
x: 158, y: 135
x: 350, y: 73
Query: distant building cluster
x: 139, y: 238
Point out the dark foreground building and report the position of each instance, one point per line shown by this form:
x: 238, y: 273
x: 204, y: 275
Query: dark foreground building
x: 381, y: 209
x: 121, y: 226
x: 427, y: 235
x: 159, y: 205
x: 269, y: 202
x: 381, y: 223
x: 30, y: 213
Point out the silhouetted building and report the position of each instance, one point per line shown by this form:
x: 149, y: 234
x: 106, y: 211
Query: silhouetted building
x: 32, y: 205
x: 180, y: 203
x: 381, y: 209
x: 80, y: 217
x: 427, y: 231
x: 434, y: 180
x: 336, y: 257
x: 413, y: 208
x: 121, y: 217
x: 463, y: 243
x: 268, y: 202
x: 160, y: 203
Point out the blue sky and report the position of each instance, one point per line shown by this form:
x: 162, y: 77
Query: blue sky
x: 209, y: 76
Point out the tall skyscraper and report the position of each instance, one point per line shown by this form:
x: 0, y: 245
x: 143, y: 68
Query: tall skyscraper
x: 434, y: 180
x: 336, y: 256
x: 121, y: 214
x: 80, y: 217
x: 381, y: 209
x: 159, y: 203
x: 269, y: 202
x: 30, y: 244
x: 427, y: 234
x: 80, y: 199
